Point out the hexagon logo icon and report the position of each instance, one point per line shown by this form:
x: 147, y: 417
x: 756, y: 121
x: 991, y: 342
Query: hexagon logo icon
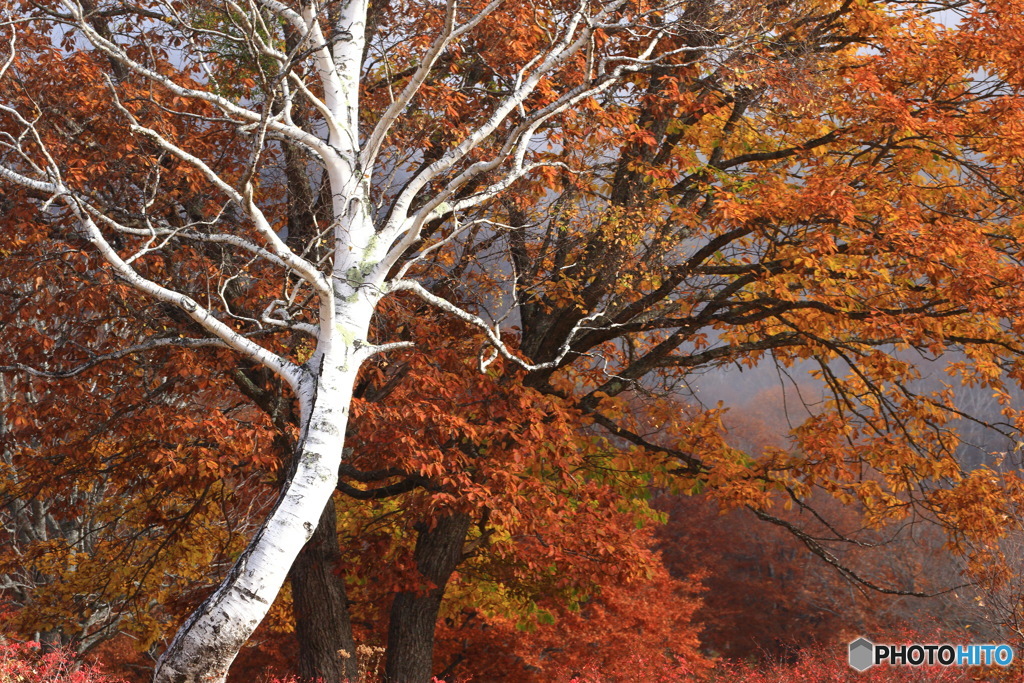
x: 862, y: 653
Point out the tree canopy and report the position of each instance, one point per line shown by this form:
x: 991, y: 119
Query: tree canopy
x: 431, y: 284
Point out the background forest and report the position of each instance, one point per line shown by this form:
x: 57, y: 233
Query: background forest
x: 508, y: 341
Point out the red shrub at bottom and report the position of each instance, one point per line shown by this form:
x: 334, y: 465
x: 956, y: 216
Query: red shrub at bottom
x: 27, y: 663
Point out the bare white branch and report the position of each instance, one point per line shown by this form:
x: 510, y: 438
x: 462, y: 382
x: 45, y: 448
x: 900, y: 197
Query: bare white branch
x: 492, y: 332
x: 232, y: 109
x: 449, y: 33
x: 149, y: 345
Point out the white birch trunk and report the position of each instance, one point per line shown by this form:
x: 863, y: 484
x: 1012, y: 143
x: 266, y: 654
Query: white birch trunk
x: 205, y: 646
x: 208, y: 642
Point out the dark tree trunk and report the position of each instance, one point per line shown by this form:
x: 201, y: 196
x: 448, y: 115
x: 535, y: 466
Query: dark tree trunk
x: 322, y: 624
x: 410, y: 651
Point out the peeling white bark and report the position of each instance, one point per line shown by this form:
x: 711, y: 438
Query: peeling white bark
x: 208, y: 642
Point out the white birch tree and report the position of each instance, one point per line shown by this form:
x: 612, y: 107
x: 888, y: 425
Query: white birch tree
x: 312, y: 58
